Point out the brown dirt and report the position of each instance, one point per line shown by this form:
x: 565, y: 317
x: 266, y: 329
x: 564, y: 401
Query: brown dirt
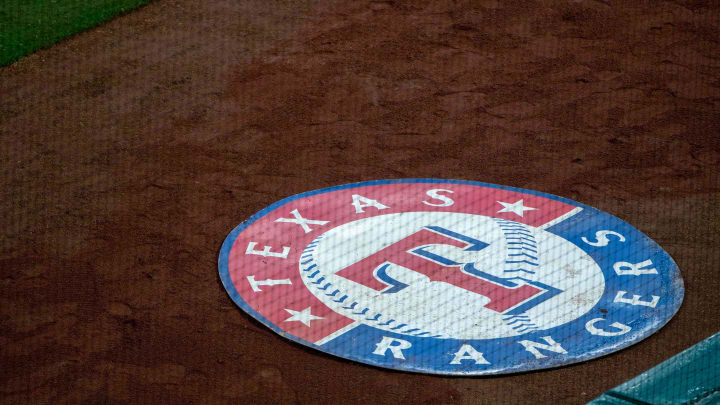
x: 130, y: 151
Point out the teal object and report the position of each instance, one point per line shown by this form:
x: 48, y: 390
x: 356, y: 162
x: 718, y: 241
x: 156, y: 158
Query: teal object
x: 691, y: 377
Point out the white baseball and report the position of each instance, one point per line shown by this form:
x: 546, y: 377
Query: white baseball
x: 432, y: 308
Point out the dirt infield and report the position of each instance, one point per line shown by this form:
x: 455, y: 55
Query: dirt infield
x: 132, y: 150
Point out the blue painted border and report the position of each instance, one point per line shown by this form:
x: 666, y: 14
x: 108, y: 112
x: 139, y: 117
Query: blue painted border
x: 668, y: 265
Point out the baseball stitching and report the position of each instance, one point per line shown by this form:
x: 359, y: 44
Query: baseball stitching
x: 521, y: 258
x: 521, y: 248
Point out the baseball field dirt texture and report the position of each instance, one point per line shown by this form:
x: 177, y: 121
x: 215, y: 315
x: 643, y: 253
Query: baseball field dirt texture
x: 131, y: 150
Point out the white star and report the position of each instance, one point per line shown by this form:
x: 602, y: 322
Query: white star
x: 517, y: 207
x: 303, y: 316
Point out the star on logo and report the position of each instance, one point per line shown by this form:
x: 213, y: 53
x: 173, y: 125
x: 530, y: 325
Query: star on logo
x: 517, y: 207
x: 303, y: 316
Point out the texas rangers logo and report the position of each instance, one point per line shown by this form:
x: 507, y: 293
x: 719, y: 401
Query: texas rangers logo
x: 449, y: 277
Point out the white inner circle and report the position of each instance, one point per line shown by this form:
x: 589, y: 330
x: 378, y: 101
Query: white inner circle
x: 441, y: 310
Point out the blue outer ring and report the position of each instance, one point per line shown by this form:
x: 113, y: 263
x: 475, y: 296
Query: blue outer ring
x: 435, y: 354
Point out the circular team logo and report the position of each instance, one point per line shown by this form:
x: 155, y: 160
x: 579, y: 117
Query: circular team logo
x: 449, y: 277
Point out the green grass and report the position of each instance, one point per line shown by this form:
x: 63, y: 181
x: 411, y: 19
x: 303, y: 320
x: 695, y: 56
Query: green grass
x: 28, y: 25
